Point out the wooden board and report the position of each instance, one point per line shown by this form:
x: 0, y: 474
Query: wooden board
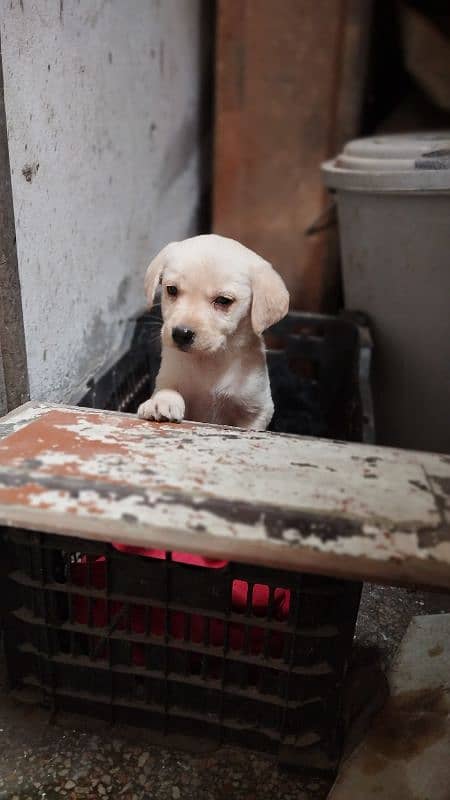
x: 289, y: 86
x: 296, y: 503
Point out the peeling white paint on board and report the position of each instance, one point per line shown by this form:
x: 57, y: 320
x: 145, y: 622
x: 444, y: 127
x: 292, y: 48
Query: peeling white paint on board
x: 162, y: 455
x: 298, y: 503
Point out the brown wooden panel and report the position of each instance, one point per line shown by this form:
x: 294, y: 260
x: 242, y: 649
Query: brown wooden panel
x: 279, y: 112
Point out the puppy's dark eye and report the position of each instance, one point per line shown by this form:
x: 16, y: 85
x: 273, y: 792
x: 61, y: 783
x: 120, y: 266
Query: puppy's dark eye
x: 172, y: 291
x: 223, y: 302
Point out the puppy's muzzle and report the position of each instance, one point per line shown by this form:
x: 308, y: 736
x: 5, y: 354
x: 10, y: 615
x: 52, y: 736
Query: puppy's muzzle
x: 183, y: 337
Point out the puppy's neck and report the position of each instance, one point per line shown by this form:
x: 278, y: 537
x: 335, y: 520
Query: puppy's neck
x: 244, y: 348
x: 238, y: 349
x: 245, y: 337
x: 244, y: 340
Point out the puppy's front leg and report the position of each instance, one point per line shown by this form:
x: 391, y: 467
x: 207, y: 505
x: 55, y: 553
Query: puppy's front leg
x: 165, y: 405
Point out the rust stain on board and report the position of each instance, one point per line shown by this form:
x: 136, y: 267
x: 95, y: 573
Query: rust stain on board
x: 31, y: 445
x: 51, y: 432
x: 22, y: 495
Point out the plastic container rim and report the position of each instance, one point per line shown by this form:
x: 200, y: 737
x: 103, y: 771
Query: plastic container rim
x: 417, y: 182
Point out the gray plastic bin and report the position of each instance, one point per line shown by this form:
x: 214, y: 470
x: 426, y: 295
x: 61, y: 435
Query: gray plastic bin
x: 393, y: 200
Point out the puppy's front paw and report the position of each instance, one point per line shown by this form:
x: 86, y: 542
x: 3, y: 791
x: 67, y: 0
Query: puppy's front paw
x: 165, y: 406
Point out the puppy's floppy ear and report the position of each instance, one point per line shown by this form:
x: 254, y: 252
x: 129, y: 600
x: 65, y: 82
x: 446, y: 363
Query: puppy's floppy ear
x: 154, y: 272
x: 270, y: 297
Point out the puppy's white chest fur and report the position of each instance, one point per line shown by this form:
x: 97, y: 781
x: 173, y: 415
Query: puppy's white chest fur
x: 223, y: 391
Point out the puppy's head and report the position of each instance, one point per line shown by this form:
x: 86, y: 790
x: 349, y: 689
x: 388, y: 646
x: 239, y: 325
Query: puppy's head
x: 214, y: 290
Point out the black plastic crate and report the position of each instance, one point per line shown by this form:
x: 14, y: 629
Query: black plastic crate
x: 228, y: 654
x: 318, y: 365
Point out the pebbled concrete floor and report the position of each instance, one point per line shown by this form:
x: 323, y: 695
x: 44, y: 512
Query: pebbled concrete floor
x: 45, y: 759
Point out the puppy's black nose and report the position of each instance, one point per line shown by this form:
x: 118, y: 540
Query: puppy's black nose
x: 183, y: 337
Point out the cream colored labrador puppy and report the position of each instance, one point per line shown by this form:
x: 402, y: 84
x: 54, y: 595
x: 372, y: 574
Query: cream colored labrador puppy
x: 217, y: 299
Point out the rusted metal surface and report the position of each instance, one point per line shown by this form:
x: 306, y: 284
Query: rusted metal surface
x: 297, y: 503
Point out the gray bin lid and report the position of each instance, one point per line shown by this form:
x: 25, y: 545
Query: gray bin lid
x: 411, y: 162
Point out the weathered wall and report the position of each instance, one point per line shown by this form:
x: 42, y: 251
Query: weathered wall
x: 13, y: 361
x: 102, y: 114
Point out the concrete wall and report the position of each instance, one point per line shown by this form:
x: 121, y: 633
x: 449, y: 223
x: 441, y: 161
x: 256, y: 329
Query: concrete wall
x: 102, y: 105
